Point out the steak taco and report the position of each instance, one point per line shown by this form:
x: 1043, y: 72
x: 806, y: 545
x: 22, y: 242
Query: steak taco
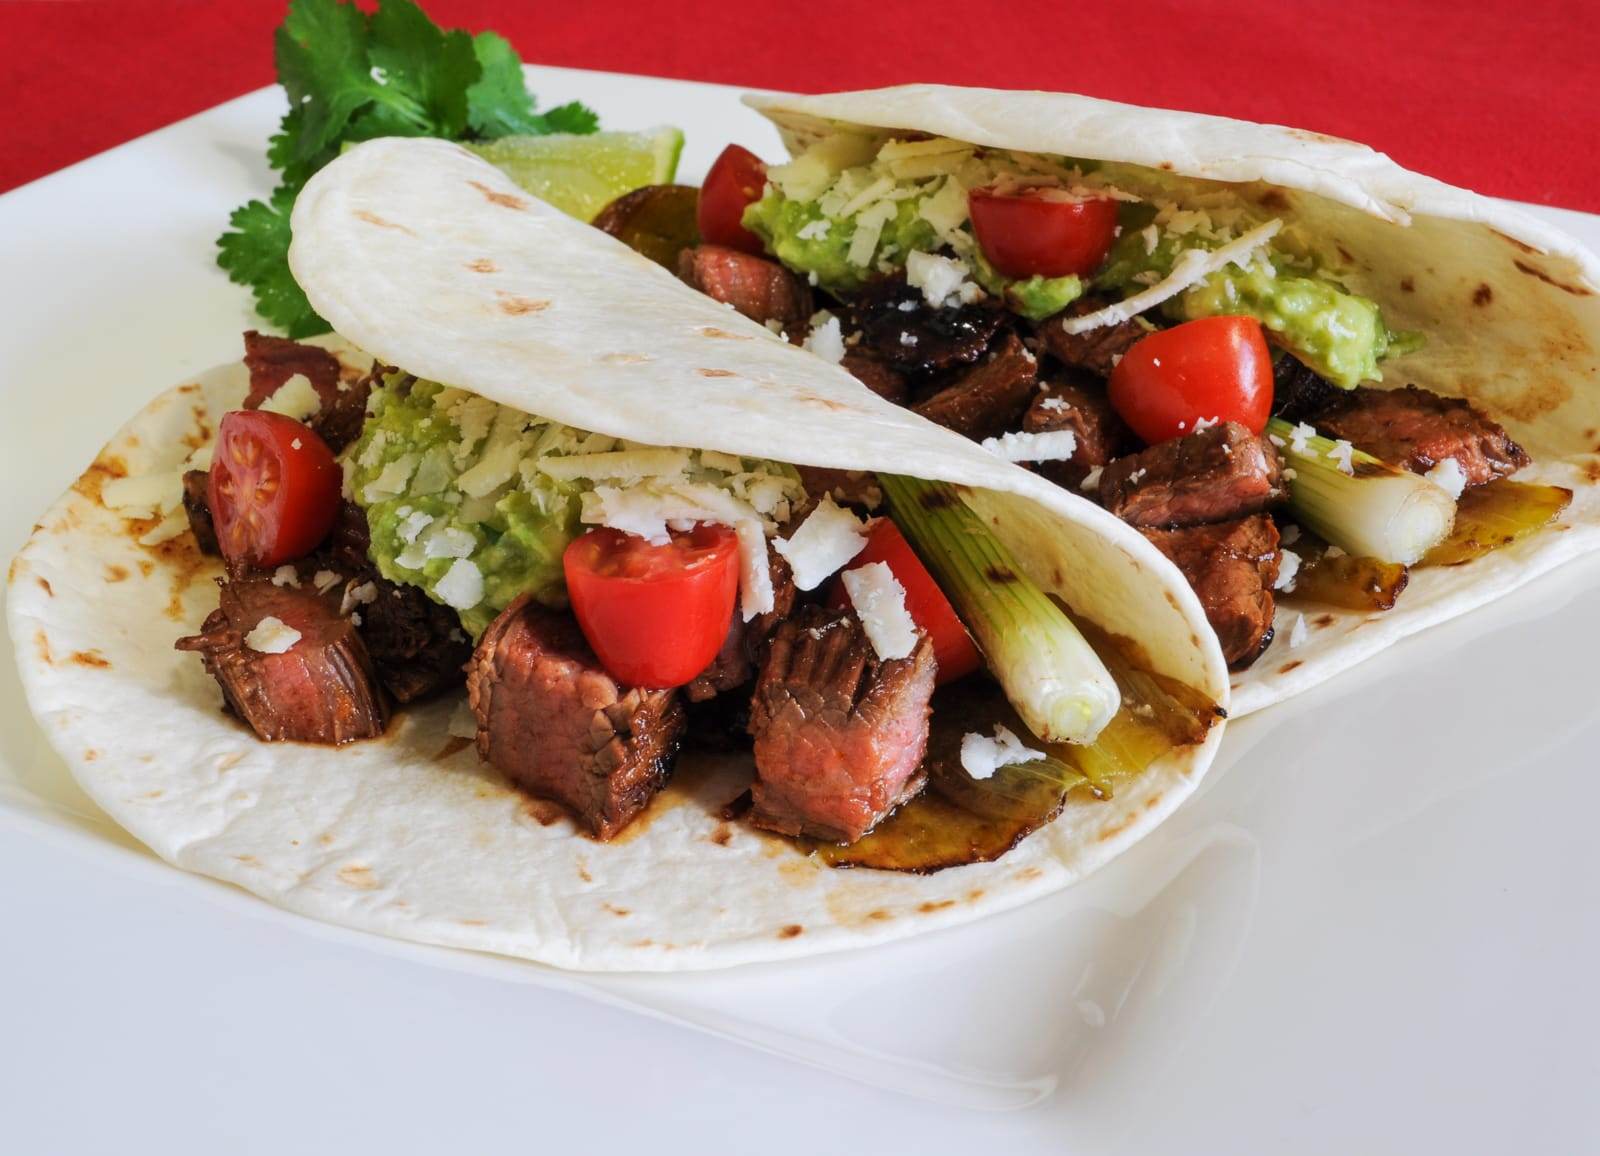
x: 555, y: 609
x: 1347, y: 401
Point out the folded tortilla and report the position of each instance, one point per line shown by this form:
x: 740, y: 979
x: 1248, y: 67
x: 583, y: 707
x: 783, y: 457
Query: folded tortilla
x: 427, y: 258
x: 1510, y: 307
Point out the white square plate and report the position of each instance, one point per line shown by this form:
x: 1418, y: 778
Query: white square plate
x: 1374, y: 928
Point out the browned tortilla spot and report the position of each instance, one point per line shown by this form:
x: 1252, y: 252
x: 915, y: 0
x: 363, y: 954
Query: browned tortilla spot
x: 90, y: 755
x: 1288, y: 666
x: 722, y: 835
x: 716, y: 373
x: 357, y: 875
x: 483, y: 265
x: 41, y: 643
x: 1482, y: 295
x: 518, y: 306
x: 1513, y: 242
x: 619, y: 912
x: 504, y: 200
x: 115, y: 573
x: 1274, y: 201
x: 879, y: 914
x: 373, y: 219
x: 930, y: 906
x: 471, y: 922
x: 1407, y: 285
x: 975, y: 894
x: 713, y: 331
x: 790, y: 931
x: 44, y: 584
x: 1344, y: 255
x: 1532, y: 271
x: 1115, y: 829
x: 90, y: 658
x: 1322, y: 620
x: 146, y: 568
x: 583, y: 872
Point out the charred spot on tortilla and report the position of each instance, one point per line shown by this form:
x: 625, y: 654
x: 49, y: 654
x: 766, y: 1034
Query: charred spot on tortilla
x: 92, y: 658
x: 930, y: 906
x: 44, y: 584
x: 483, y: 265
x: 372, y: 218
x: 716, y: 373
x: 516, y: 306
x: 1535, y: 271
x: 713, y: 331
x: 359, y: 876
x: 1407, y: 285
x: 1288, y: 666
x: 790, y: 931
x: 1516, y: 244
x: 1483, y: 294
x: 495, y: 197
x: 619, y: 912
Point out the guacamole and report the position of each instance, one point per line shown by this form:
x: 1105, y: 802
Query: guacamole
x: 475, y: 502
x: 1337, y: 333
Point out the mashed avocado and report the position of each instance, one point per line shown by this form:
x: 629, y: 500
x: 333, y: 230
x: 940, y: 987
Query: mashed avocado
x: 475, y: 502
x: 1339, y: 334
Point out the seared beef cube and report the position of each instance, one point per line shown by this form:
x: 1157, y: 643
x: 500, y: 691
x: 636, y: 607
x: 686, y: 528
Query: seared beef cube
x: 197, y: 505
x: 746, y: 642
x: 847, y: 487
x: 876, y: 374
x: 321, y: 689
x: 897, y: 325
x: 839, y: 735
x: 1232, y: 567
x: 988, y: 399
x: 1416, y: 429
x: 762, y: 290
x: 1299, y: 392
x: 1222, y: 472
x: 656, y: 221
x: 1068, y: 404
x: 1097, y: 350
x: 274, y: 360
x: 418, y: 647
x: 556, y: 724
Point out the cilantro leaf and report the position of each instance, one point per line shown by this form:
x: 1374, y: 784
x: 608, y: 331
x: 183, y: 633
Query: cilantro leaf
x: 351, y: 77
x: 256, y: 254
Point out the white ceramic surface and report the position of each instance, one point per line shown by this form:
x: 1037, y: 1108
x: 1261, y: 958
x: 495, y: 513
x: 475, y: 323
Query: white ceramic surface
x: 1374, y: 929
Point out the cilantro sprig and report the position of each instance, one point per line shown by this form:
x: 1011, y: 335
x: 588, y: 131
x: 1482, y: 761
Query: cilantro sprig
x: 351, y: 77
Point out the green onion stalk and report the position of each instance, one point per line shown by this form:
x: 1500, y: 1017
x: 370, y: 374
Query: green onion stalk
x: 1053, y: 677
x: 1371, y: 510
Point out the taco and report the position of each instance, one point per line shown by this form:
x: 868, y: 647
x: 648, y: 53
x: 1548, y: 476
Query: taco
x: 558, y: 610
x: 1347, y: 401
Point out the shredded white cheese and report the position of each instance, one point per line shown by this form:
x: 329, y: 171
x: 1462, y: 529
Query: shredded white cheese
x: 826, y: 338
x: 296, y: 398
x: 1091, y: 480
x: 1288, y: 569
x: 463, y: 723
x: 982, y: 756
x: 286, y: 576
x: 1192, y: 267
x: 461, y: 586
x: 1051, y: 446
x: 325, y: 580
x: 623, y: 465
x: 880, y: 603
x: 362, y: 595
x: 1448, y: 475
x: 940, y: 279
x: 145, y: 494
x: 272, y: 636
x: 828, y: 538
x: 1340, y: 454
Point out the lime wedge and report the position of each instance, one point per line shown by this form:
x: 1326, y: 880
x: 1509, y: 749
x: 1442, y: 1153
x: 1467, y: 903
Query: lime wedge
x: 582, y: 174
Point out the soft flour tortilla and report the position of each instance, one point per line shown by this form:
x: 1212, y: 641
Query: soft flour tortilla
x: 430, y: 259
x: 1508, y: 303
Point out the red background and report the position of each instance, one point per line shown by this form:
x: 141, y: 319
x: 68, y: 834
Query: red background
x: 1498, y: 95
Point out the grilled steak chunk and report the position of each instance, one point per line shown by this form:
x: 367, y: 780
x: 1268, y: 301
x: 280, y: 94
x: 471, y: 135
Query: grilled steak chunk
x: 1097, y: 350
x: 197, y: 505
x: 762, y: 290
x: 417, y: 646
x: 1417, y: 429
x: 559, y: 726
x: 877, y: 375
x: 1232, y: 567
x: 989, y: 398
x: 1299, y: 392
x: 839, y: 735
x: 274, y: 360
x: 897, y: 326
x: 321, y: 690
x: 847, y: 487
x: 1222, y: 472
x: 1070, y: 402
x: 742, y: 649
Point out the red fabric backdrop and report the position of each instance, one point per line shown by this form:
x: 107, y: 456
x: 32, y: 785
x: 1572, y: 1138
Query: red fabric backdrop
x: 1499, y: 95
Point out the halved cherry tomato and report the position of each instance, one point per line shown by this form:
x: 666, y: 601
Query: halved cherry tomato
x: 1213, y: 369
x: 929, y: 608
x: 1039, y: 232
x: 655, y: 615
x: 734, y: 182
x: 273, y: 490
